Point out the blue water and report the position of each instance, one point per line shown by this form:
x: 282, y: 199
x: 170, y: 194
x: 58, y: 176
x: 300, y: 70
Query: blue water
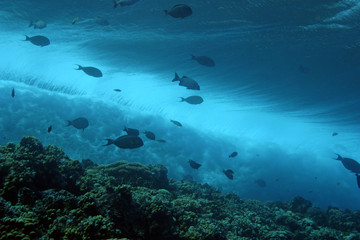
x: 286, y: 78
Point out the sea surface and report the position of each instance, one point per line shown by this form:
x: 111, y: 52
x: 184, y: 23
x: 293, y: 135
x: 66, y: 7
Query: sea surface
x: 284, y: 91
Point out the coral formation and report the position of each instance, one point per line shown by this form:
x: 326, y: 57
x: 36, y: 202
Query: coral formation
x: 46, y: 195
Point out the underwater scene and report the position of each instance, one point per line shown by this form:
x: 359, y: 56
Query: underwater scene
x: 213, y: 119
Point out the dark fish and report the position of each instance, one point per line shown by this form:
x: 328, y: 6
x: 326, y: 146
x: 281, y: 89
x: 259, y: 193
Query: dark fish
x: 150, y: 135
x: 358, y: 180
x: 49, y: 129
x: 234, y: 154
x: 229, y: 173
x: 38, y: 40
x: 349, y: 164
x: 101, y: 21
x: 260, y: 182
x: 123, y: 3
x: 334, y: 134
x: 38, y: 24
x: 192, y: 100
x: 179, y: 11
x: 117, y: 90
x: 176, y: 123
x: 161, y: 140
x: 304, y: 69
x: 13, y: 93
x: 131, y: 131
x: 194, y: 164
x: 126, y: 141
x: 204, y: 60
x: 186, y: 82
x: 79, y: 123
x: 91, y: 71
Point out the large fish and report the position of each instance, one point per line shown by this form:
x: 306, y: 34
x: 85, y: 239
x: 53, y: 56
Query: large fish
x: 79, y: 123
x: 229, y: 173
x: 38, y: 40
x: 38, y: 24
x: 234, y: 154
x: 349, y: 164
x: 179, y: 11
x: 186, y: 82
x: 126, y: 141
x: 194, y: 164
x: 204, y: 60
x: 131, y: 131
x: 192, y: 100
x: 123, y: 3
x: 91, y: 71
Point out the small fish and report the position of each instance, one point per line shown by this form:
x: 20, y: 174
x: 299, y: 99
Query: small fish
x: 192, y: 100
x: 176, y: 123
x: 349, y: 164
x: 161, y: 140
x: 38, y: 40
x: 126, y: 141
x: 131, y: 131
x: 260, y: 182
x: 101, y: 21
x: 38, y: 24
x: 194, y: 164
x: 304, y: 69
x: 13, y: 93
x: 150, y: 135
x: 204, y: 60
x: 123, y: 3
x: 49, y: 129
x: 79, y: 123
x: 117, y: 90
x: 229, y: 173
x: 179, y: 11
x: 277, y: 179
x: 186, y: 82
x: 334, y: 134
x: 91, y: 71
x: 234, y: 154
x: 74, y: 20
x: 358, y: 180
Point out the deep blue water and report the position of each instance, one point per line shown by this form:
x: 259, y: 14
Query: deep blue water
x: 286, y: 78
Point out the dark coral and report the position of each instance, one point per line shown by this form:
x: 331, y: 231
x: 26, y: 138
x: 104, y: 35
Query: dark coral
x: 45, y: 195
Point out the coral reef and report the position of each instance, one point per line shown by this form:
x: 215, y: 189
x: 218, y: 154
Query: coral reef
x: 46, y: 195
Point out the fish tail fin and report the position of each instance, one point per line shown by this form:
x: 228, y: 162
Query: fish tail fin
x: 68, y: 123
x: 182, y: 99
x: 115, y: 3
x: 192, y: 57
x: 339, y: 157
x: 166, y: 12
x: 79, y: 67
x: 31, y: 23
x: 27, y: 38
x: 110, y: 141
x: 176, y: 78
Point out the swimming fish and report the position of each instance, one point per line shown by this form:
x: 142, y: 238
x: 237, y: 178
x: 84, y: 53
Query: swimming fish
x: 38, y: 24
x: 131, y: 131
x: 176, y: 123
x: 349, y: 164
x: 126, y: 141
x: 358, y: 180
x: 117, y: 90
x: 186, y: 82
x: 38, y: 40
x: 79, y: 123
x: 161, y: 140
x: 192, y: 100
x: 101, y: 21
x: 204, y: 60
x: 13, y: 93
x: 334, y: 134
x: 49, y: 129
x: 74, y: 20
x: 179, y: 11
x: 194, y: 164
x: 123, y: 3
x: 150, y: 135
x: 234, y: 154
x: 260, y: 182
x: 229, y: 173
x: 91, y: 71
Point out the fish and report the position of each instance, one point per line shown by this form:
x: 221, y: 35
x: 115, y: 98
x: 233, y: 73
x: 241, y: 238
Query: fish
x: 260, y: 182
x: 49, y: 129
x: 194, y: 164
x: 334, y: 134
x: 13, y: 93
x: 126, y: 141
x: 38, y: 40
x: 91, y: 71
x: 176, y: 123
x: 349, y: 164
x: 38, y: 24
x: 358, y: 180
x: 192, y: 100
x: 234, y: 154
x: 161, y: 140
x: 304, y: 69
x: 123, y: 3
x: 186, y: 82
x: 179, y: 11
x: 131, y: 131
x: 204, y: 60
x: 101, y: 21
x: 79, y: 123
x: 74, y: 20
x: 117, y: 90
x: 229, y: 173
x: 150, y: 135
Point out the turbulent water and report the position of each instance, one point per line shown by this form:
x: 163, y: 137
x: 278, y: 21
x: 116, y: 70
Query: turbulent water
x: 285, y: 79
